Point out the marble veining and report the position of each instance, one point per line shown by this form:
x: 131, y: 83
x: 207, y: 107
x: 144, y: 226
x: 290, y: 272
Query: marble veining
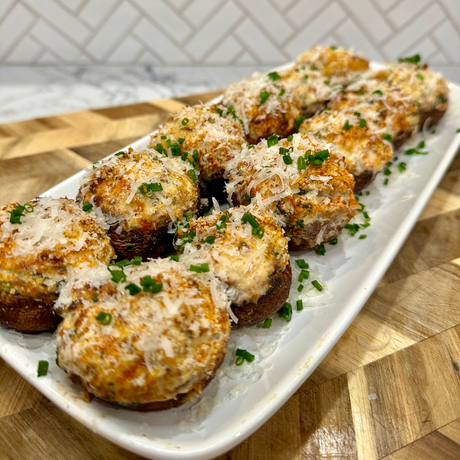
x: 31, y: 92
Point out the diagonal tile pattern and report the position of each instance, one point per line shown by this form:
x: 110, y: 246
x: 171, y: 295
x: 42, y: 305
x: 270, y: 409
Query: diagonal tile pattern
x: 231, y: 32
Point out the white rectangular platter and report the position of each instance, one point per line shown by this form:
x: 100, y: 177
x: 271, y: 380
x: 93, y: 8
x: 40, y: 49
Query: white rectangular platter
x: 242, y: 398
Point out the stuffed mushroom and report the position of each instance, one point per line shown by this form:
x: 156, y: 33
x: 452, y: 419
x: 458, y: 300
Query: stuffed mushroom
x: 417, y: 80
x: 364, y: 151
x: 139, y: 193
x: 41, y: 243
x: 150, y: 340
x: 299, y: 179
x: 387, y: 110
x: 208, y: 137
x: 263, y: 106
x: 247, y: 250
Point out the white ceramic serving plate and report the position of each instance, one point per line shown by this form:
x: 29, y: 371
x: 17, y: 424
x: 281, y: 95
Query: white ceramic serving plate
x: 241, y: 399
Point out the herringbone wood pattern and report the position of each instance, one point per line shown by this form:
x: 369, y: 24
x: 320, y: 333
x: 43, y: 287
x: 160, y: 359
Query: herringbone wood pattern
x: 400, y: 402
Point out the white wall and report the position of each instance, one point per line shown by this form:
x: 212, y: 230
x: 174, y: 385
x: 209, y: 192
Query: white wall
x: 224, y: 32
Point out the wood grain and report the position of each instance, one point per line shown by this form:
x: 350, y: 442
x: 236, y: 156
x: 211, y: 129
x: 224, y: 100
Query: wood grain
x: 399, y: 402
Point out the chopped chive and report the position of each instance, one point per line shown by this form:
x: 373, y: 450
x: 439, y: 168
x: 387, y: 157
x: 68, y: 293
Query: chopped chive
x: 362, y: 123
x: 191, y: 173
x: 420, y: 76
x: 117, y: 275
x: 352, y: 228
x: 274, y: 76
x: 137, y: 260
x: 87, y: 207
x: 130, y: 247
x: 146, y: 188
x: 286, y: 311
x: 181, y: 140
x: 367, y: 192
x: 264, y: 95
x: 272, y: 140
x: 290, y: 137
x: 185, y: 121
x: 299, y: 305
x: 174, y: 257
x: 245, y: 355
x: 362, y: 237
x: 304, y: 275
x: 347, y: 125
x: 387, y: 172
x: 320, y: 250
x: 119, y: 153
x: 248, y: 217
x: 411, y: 60
x: 281, y: 93
x: 301, y: 163
x: 210, y: 239
x: 378, y: 92
x: 387, y: 137
x: 133, y: 289
x: 247, y: 198
x: 317, y: 285
x: 326, y: 82
x: 334, y: 241
x: 259, y: 232
x: 267, y: 323
x: 287, y: 159
x: 42, y: 369
x: 402, y: 167
x: 151, y: 285
x: 358, y: 114
x: 17, y: 213
x: 385, y: 182
x: 301, y: 263
x: 202, y: 268
x: 239, y: 360
x: 300, y: 288
x: 104, y: 318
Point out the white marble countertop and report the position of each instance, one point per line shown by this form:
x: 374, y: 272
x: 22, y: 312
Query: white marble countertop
x: 31, y: 92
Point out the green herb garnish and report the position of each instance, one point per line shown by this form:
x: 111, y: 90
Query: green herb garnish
x: 42, y: 369
x: 133, y: 289
x: 286, y: 311
x: 104, y: 318
x: 202, y: 268
x: 264, y: 95
x: 317, y: 285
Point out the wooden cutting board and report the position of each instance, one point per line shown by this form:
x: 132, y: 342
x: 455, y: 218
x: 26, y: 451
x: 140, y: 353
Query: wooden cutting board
x: 398, y: 402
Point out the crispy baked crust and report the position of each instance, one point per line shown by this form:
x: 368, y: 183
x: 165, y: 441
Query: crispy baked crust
x: 27, y: 314
x: 363, y: 180
x: 255, y: 312
x: 261, y: 128
x: 434, y: 115
x: 182, y: 398
x: 307, y: 238
x: 145, y: 246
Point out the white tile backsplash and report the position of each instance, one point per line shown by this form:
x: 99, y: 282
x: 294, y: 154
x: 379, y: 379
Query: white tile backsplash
x: 223, y: 32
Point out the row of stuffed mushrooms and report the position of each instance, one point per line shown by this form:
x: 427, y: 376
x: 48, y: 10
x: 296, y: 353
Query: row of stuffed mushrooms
x: 144, y: 273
